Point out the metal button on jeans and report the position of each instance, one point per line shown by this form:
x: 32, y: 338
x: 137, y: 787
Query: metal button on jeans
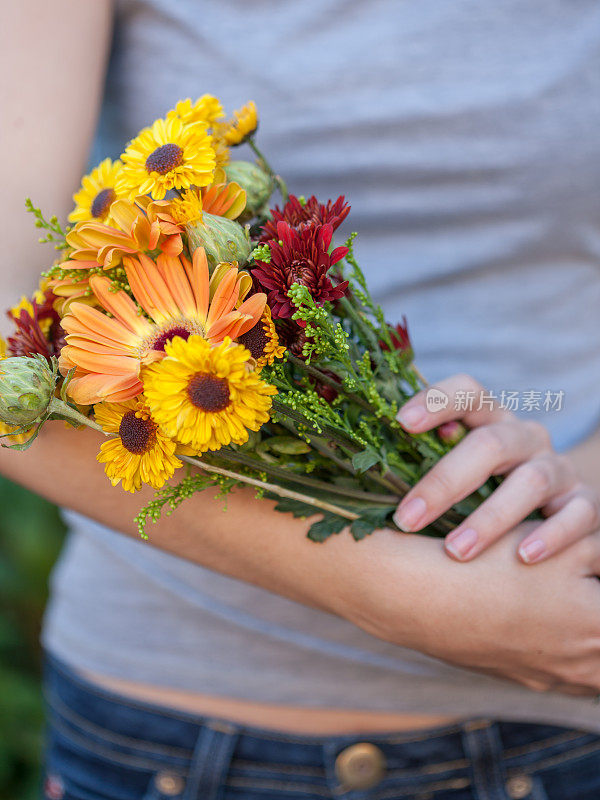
x: 360, y: 766
x: 519, y: 787
x: 169, y: 784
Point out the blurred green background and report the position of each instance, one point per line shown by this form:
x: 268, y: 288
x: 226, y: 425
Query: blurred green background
x: 31, y: 535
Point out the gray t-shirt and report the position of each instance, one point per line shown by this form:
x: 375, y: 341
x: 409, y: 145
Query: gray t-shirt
x: 465, y: 135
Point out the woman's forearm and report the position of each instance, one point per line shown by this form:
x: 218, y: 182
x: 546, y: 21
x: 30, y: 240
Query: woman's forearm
x: 539, y: 627
x: 249, y: 540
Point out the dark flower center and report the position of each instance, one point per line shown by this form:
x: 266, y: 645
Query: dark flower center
x: 165, y: 337
x: 208, y: 392
x: 137, y: 434
x: 292, y: 336
x: 256, y: 340
x: 164, y: 158
x: 102, y: 202
x: 299, y: 272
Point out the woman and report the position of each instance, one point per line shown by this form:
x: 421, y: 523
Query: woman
x: 245, y: 661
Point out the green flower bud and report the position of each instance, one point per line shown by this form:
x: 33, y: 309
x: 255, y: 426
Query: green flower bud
x: 257, y: 183
x: 223, y: 240
x: 26, y: 389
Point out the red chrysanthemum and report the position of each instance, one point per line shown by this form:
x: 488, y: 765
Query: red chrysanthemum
x: 324, y: 390
x: 311, y: 213
x: 40, y: 332
x: 400, y: 337
x: 292, y: 336
x: 299, y: 256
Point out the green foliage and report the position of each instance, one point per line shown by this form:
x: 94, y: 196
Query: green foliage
x: 55, y: 233
x: 172, y: 496
x: 31, y: 533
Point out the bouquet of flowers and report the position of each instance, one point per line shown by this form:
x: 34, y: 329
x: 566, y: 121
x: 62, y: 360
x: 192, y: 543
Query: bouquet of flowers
x: 216, y: 339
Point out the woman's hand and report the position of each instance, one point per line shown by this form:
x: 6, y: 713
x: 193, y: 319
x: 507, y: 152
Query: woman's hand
x: 539, y: 627
x: 498, y: 443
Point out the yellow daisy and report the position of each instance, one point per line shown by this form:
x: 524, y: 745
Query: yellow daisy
x: 168, y: 155
x: 243, y: 124
x: 222, y: 153
x: 97, y: 193
x: 187, y: 209
x: 206, y: 109
x: 140, y: 453
x: 220, y: 199
x: 262, y: 341
x: 206, y: 396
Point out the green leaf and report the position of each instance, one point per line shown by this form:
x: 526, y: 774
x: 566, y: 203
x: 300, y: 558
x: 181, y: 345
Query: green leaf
x: 287, y: 445
x: 365, y: 459
x: 289, y: 506
x: 370, y: 521
x: 326, y: 527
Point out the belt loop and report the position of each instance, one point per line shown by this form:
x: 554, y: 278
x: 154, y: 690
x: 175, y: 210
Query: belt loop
x: 483, y: 746
x: 210, y: 762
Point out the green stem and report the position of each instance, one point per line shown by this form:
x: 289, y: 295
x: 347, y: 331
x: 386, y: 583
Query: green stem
x: 71, y: 414
x: 273, y: 488
x: 356, y: 316
x: 292, y: 477
x: 322, y: 378
x: 327, y: 431
x: 281, y: 184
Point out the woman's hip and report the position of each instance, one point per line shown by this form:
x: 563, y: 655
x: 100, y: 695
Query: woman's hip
x: 102, y: 746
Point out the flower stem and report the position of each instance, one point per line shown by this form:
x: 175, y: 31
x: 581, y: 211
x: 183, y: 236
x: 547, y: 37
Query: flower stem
x: 281, y: 184
x: 273, y: 488
x: 332, y: 488
x: 67, y: 412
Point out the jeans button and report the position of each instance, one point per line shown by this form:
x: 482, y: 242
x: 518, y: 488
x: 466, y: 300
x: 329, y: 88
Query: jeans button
x: 519, y: 787
x: 169, y: 784
x: 360, y: 766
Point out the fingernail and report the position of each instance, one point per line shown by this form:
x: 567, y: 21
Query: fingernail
x: 412, y: 417
x: 460, y: 543
x: 407, y: 516
x: 531, y: 551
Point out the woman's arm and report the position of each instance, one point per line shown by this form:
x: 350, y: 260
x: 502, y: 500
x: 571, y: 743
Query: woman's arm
x: 539, y: 627
x: 53, y: 59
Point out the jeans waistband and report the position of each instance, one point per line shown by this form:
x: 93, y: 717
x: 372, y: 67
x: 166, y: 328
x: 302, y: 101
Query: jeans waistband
x: 471, y: 752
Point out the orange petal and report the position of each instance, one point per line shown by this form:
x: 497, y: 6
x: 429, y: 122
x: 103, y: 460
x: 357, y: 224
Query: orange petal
x: 87, y: 321
x: 102, y: 363
x: 120, y: 305
x: 97, y: 345
x: 150, y: 288
x: 92, y: 388
x: 200, y: 281
x: 172, y: 245
x: 227, y: 325
x: 174, y: 274
x: 253, y: 308
x: 125, y: 214
x: 225, y: 296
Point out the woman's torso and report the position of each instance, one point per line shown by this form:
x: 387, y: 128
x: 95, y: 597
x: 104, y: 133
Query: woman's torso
x: 464, y: 135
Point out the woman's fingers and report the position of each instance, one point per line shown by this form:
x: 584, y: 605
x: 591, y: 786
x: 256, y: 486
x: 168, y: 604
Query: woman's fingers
x: 489, y: 450
x: 573, y: 516
x: 529, y: 486
x: 459, y: 397
x: 497, y: 444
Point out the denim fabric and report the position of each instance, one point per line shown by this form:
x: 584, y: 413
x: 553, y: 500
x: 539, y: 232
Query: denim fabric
x: 105, y: 747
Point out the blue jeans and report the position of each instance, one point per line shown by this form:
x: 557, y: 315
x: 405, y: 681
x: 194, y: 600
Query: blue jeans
x: 105, y: 747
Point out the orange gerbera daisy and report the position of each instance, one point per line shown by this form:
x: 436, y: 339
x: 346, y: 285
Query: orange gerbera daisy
x: 178, y: 300
x: 136, y: 227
